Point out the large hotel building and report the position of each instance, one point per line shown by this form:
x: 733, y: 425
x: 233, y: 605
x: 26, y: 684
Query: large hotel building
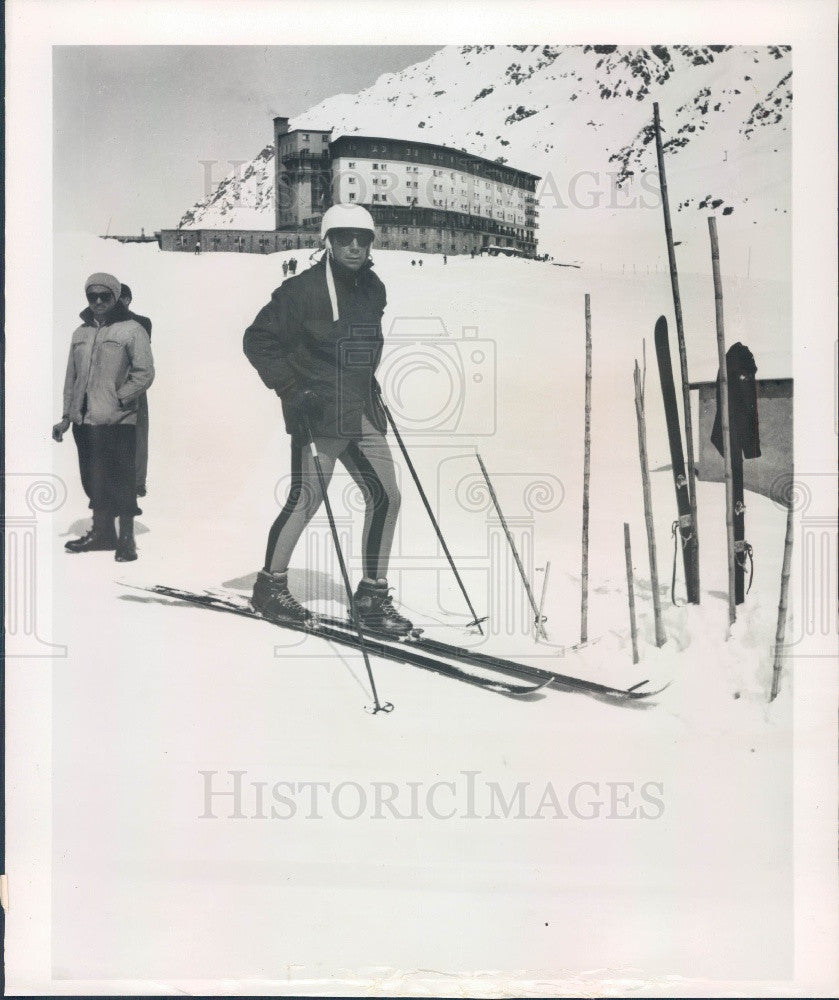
x: 423, y: 197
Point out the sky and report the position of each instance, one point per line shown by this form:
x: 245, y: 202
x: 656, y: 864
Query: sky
x: 132, y: 124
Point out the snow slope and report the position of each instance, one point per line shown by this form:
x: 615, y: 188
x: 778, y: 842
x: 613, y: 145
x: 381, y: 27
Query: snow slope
x: 152, y: 694
x: 580, y: 117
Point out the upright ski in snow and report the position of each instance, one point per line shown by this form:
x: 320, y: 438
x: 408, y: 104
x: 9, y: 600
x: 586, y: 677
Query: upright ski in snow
x: 677, y: 457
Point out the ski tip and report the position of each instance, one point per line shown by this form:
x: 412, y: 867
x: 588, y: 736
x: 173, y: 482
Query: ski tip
x: 526, y: 692
x: 636, y: 690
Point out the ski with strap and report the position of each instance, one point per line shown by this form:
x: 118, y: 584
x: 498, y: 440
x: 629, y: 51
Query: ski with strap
x: 684, y: 525
x: 235, y: 604
x: 473, y: 658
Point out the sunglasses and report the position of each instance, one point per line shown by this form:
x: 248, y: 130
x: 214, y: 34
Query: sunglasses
x: 99, y: 297
x: 343, y: 237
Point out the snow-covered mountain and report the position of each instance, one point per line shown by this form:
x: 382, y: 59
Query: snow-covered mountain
x: 580, y: 117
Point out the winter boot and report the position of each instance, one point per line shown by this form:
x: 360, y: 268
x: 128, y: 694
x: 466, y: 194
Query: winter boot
x: 273, y: 600
x: 375, y: 610
x: 102, y: 536
x: 126, y: 549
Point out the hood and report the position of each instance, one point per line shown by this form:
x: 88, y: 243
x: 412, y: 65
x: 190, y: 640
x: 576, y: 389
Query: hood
x: 116, y: 315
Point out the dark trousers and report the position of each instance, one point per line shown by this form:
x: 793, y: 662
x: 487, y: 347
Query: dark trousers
x: 107, y: 455
x: 142, y: 441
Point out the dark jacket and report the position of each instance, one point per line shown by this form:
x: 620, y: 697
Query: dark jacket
x: 742, y: 404
x: 294, y: 344
x: 109, y: 367
x: 144, y: 321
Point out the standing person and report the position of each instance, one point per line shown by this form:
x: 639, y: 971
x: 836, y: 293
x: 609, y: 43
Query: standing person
x: 142, y: 453
x: 109, y: 366
x: 298, y: 344
x: 445, y: 259
x: 292, y: 266
x: 285, y: 268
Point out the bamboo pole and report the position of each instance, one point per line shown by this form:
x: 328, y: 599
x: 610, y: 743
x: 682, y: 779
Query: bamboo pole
x: 693, y: 541
x: 586, y: 478
x: 630, y: 590
x: 780, y: 631
x: 726, y: 435
x: 660, y: 637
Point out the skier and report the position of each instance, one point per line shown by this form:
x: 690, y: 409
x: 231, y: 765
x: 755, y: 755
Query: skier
x: 142, y: 454
x: 445, y: 259
x: 197, y: 247
x: 109, y: 366
x: 285, y: 268
x: 292, y: 266
x: 298, y: 345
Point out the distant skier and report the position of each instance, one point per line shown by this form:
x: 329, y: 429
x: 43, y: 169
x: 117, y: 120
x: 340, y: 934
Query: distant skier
x: 445, y: 259
x: 142, y: 453
x: 413, y: 263
x: 108, y: 368
x: 298, y: 345
x: 197, y: 247
x: 292, y: 266
x: 285, y: 268
x: 420, y: 262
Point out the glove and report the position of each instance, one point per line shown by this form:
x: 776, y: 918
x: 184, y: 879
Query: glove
x: 305, y: 406
x: 59, y: 429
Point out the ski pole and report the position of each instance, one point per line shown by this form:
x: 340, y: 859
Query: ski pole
x: 544, y: 590
x: 377, y: 705
x: 540, y: 628
x: 475, y: 620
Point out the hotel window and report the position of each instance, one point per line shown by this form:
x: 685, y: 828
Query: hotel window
x: 384, y: 166
x: 351, y: 180
x: 404, y: 229
x: 375, y: 166
x: 352, y: 195
x: 305, y: 137
x: 351, y: 165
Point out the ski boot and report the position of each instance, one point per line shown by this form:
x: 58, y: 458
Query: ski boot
x: 375, y: 610
x: 126, y: 548
x: 102, y: 536
x: 274, y: 601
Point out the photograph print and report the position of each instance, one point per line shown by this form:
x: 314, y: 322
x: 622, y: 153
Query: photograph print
x: 424, y: 529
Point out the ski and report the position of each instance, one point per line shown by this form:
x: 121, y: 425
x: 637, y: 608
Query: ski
x: 321, y: 628
x: 677, y: 457
x: 473, y: 658
x: 512, y: 667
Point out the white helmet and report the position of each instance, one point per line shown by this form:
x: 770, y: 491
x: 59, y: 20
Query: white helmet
x: 346, y: 217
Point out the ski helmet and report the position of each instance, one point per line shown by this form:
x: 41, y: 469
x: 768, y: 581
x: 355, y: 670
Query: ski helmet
x: 346, y: 217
